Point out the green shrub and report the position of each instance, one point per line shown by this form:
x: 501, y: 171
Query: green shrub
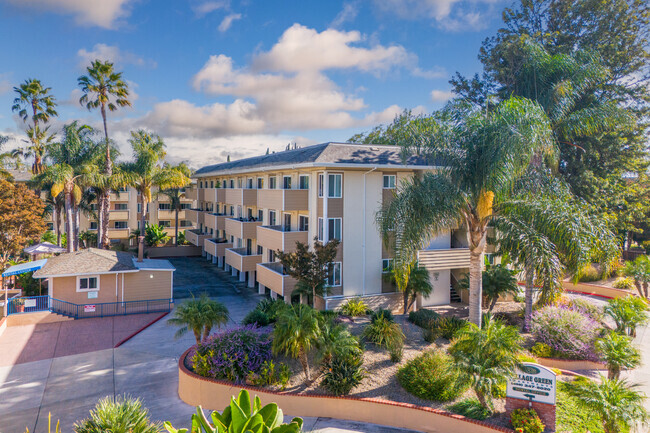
x: 124, y: 415
x: 590, y: 274
x: 626, y: 283
x: 431, y: 376
x: 329, y: 315
x: 423, y: 318
x: 542, y: 350
x: 270, y: 375
x: 256, y: 317
x: 342, y: 374
x: 272, y: 308
x: 354, y: 307
x: 386, y: 334
x: 386, y: 314
x: 449, y: 326
x: 586, y: 308
x: 628, y: 313
x: 471, y: 408
x: 526, y: 420
x: 430, y: 335
x: 523, y: 357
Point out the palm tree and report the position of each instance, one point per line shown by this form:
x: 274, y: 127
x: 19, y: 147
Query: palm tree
x: 104, y: 88
x: 627, y: 313
x: 64, y: 180
x: 34, y: 102
x: 618, y: 405
x: 481, y: 154
x: 199, y: 316
x: 296, y: 332
x: 416, y: 284
x: 335, y: 341
x: 486, y: 357
x: 176, y: 196
x: 639, y: 270
x: 147, y: 171
x: 618, y: 353
x: 498, y: 281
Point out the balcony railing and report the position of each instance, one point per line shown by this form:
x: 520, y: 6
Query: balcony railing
x: 120, y: 196
x: 279, y: 238
x: 214, y: 195
x: 165, y: 214
x: 195, y: 237
x: 119, y: 233
x: 239, y: 259
x: 436, y: 260
x: 118, y: 215
x: 216, y: 221
x: 283, y: 199
x: 241, y: 196
x: 271, y: 275
x: 192, y: 194
x: 197, y: 216
x: 242, y: 228
x: 216, y: 247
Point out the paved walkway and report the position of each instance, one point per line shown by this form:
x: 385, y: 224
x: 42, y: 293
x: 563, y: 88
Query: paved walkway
x: 145, y: 367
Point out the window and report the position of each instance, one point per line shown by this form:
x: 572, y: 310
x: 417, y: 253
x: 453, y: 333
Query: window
x: 87, y: 284
x: 50, y: 226
x: 490, y: 258
x: 303, y: 181
x: 320, y: 185
x: 272, y: 182
x: 260, y: 182
x: 121, y: 206
x: 271, y: 256
x: 232, y: 211
x: 259, y: 250
x: 334, y: 279
x: 260, y: 215
x: 165, y: 206
x: 249, y: 183
x: 93, y: 225
x: 239, y: 182
x: 303, y: 223
x: 232, y: 183
x: 200, y: 184
x: 386, y: 265
x: 249, y: 213
x: 287, y: 222
x: 389, y: 181
x: 333, y: 229
x: 271, y: 217
x: 164, y: 223
x: 139, y: 207
x: 212, y: 184
x: 334, y: 185
x: 286, y: 182
x: 93, y: 207
x: 186, y: 206
x: 121, y: 225
x: 185, y: 223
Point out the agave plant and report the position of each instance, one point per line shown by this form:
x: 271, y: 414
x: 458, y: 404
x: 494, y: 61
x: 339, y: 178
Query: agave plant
x: 124, y: 415
x: 241, y: 417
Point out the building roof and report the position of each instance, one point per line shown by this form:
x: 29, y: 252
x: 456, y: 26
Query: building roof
x: 154, y: 265
x: 89, y: 261
x: 325, y: 154
x: 44, y: 248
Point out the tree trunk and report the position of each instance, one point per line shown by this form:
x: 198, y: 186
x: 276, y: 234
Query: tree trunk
x: 69, y: 221
x: 639, y: 287
x: 76, y: 227
x: 206, y: 332
x: 197, y: 335
x: 481, y: 399
x: 100, y: 219
x: 104, y: 241
x: 176, y: 230
x: 645, y: 289
x: 528, y: 310
x: 143, y: 214
x: 613, y: 372
x: 493, y: 303
x: 406, y: 302
x: 475, y: 287
x: 304, y: 361
x: 57, y: 219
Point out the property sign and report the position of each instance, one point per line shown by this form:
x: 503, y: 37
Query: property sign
x: 30, y: 303
x: 89, y: 308
x: 92, y: 295
x: 533, y: 382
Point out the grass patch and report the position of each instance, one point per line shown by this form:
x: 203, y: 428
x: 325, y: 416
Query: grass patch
x: 571, y: 417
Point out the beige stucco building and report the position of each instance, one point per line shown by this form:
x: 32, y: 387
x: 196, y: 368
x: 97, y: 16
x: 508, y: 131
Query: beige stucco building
x: 248, y: 209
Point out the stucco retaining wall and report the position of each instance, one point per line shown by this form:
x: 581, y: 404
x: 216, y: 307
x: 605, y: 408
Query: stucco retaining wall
x: 595, y: 289
x: 215, y: 395
x: 571, y: 364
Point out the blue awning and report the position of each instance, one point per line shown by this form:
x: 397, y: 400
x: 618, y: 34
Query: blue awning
x: 24, y: 267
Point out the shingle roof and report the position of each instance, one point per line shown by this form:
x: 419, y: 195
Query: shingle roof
x: 325, y: 153
x: 88, y: 261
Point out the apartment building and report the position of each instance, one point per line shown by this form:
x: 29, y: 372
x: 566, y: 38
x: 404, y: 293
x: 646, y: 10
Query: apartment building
x: 250, y: 208
x: 125, y: 213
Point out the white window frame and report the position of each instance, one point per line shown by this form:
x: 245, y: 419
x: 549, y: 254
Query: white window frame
x: 273, y: 182
x: 120, y: 228
x: 87, y: 277
x: 386, y: 265
x: 260, y: 182
x: 389, y: 177
x: 321, y: 184
x: 330, y: 232
x: 302, y: 218
x: 284, y: 182
x: 340, y: 282
x: 331, y: 192
x: 249, y: 183
x: 300, y: 178
x: 273, y: 221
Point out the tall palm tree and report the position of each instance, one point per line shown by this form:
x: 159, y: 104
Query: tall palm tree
x: 619, y: 353
x: 35, y: 102
x: 417, y: 283
x: 176, y: 196
x: 199, y: 316
x: 148, y: 172
x: 480, y: 154
x: 104, y: 88
x: 617, y: 403
x: 65, y: 181
x: 296, y: 332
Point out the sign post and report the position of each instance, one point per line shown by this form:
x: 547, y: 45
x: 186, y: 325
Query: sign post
x: 534, y: 386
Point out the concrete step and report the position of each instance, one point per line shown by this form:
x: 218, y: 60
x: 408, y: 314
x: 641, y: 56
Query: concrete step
x: 38, y: 317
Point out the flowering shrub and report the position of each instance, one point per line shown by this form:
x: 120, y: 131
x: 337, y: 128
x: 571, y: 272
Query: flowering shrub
x: 569, y: 333
x: 526, y: 421
x: 542, y: 350
x: 233, y: 354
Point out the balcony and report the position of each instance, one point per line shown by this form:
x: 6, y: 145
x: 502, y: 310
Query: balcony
x: 216, y: 221
x: 241, y: 228
x: 241, y: 196
x: 120, y: 196
x: 195, y: 237
x: 114, y: 233
x: 240, y: 260
x: 197, y: 216
x: 437, y: 260
x: 192, y: 194
x: 271, y: 275
x: 216, y: 248
x: 164, y: 214
x: 276, y: 238
x: 118, y: 215
x: 214, y: 195
x: 283, y: 199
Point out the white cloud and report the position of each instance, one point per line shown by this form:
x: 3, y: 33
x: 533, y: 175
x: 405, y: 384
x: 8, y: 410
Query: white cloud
x: 441, y: 95
x: 5, y: 85
x: 101, y: 13
x: 227, y: 22
x: 304, y: 49
x: 436, y: 72
x: 206, y: 7
x: 113, y: 54
x: 348, y: 13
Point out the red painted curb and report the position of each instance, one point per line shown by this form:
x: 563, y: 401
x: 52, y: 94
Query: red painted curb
x: 140, y: 330
x: 590, y: 294
x: 181, y: 366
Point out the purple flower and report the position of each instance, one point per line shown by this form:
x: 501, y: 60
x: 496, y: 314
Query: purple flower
x: 569, y: 333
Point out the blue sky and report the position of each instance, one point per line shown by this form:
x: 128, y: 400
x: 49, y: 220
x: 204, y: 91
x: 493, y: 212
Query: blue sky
x: 219, y: 77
